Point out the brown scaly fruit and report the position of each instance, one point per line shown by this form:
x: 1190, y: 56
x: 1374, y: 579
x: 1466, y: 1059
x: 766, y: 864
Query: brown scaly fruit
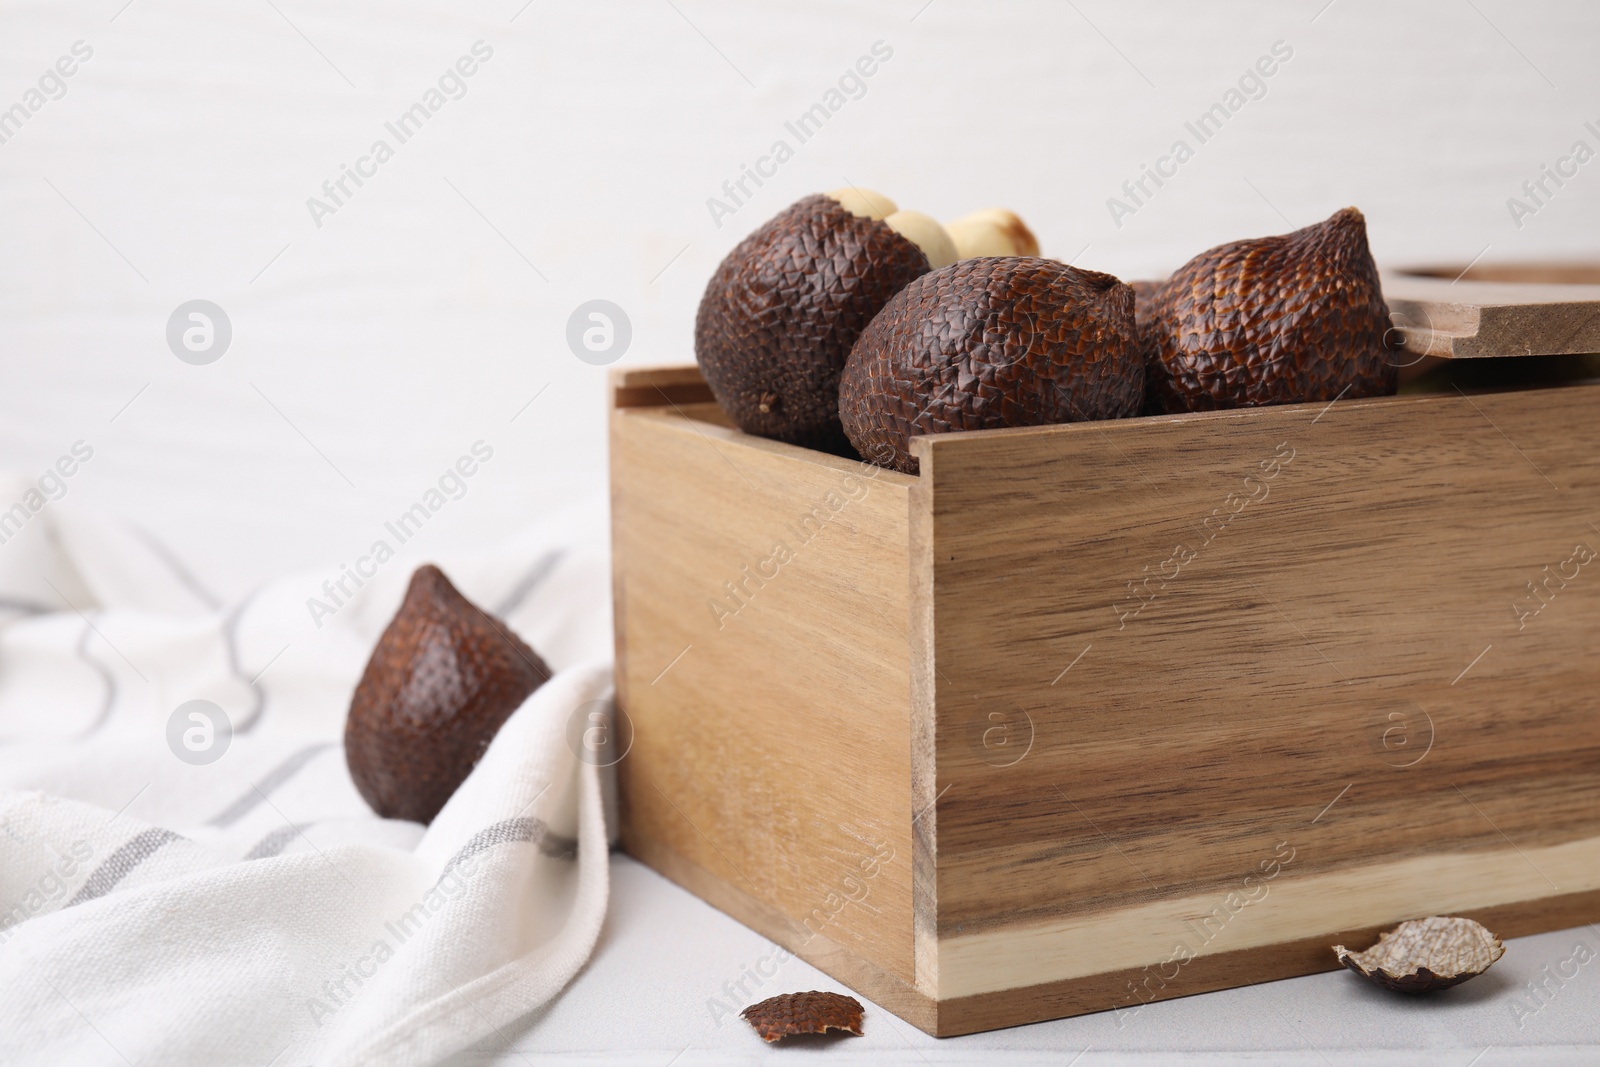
x: 991, y: 343
x: 1294, y: 318
x: 781, y: 312
x: 1144, y: 298
x: 443, y: 678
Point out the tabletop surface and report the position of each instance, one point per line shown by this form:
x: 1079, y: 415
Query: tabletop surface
x: 660, y: 989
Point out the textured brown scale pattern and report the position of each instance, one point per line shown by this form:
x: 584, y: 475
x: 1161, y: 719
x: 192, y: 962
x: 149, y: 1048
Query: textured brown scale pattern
x: 443, y: 678
x: 804, y: 1013
x: 1425, y: 954
x: 1144, y: 300
x: 1288, y: 319
x: 988, y: 343
x: 781, y: 312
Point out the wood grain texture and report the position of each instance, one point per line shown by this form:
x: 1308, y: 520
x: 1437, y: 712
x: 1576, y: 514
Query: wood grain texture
x: 923, y: 724
x: 1126, y: 990
x: 1261, y: 913
x: 658, y: 387
x: 1511, y: 313
x: 768, y: 690
x: 1337, y: 629
x: 1252, y: 682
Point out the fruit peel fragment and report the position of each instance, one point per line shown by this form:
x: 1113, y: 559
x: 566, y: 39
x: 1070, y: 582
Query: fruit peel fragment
x: 811, y: 1012
x: 1421, y: 955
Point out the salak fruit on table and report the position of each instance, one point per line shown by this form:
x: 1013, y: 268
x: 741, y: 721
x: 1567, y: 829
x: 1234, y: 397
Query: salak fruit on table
x: 442, y: 680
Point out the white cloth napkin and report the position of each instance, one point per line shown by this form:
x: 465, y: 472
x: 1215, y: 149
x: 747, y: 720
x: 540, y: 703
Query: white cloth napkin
x: 253, y: 910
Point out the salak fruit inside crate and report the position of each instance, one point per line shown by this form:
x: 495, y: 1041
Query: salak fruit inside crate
x: 781, y: 312
x: 846, y: 321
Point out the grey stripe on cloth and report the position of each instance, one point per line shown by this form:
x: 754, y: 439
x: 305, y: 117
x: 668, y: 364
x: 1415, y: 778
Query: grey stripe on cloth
x: 523, y: 829
x: 25, y: 607
x: 133, y: 852
x: 179, y: 570
x: 230, y: 625
x: 108, y: 680
x: 230, y: 643
x: 552, y: 845
x: 274, y: 843
x: 530, y: 581
x: 274, y: 778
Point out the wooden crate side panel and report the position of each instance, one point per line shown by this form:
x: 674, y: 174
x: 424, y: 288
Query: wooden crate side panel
x: 925, y: 784
x: 1272, y: 907
x: 1126, y: 990
x: 1170, y: 651
x: 762, y: 629
x: 844, y: 964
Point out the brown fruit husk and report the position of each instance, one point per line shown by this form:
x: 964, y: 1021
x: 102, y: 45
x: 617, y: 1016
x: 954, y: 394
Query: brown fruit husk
x: 1145, y: 291
x: 782, y: 311
x: 1294, y: 318
x: 442, y: 679
x: 1421, y: 955
x: 990, y: 343
x: 804, y: 1013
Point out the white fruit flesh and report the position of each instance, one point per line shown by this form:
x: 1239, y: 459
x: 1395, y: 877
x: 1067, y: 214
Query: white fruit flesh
x: 926, y: 234
x: 992, y: 232
x: 864, y: 203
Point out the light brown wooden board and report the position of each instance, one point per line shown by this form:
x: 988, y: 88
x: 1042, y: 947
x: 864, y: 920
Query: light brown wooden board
x: 771, y: 746
x: 1131, y: 988
x: 1189, y: 742
x: 1472, y: 316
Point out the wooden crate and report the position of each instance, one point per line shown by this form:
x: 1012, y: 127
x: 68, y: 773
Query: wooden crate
x: 1086, y: 716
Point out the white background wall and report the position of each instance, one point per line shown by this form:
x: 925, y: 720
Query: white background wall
x: 409, y: 325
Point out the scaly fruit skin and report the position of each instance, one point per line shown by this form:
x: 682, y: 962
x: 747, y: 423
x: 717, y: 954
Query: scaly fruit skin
x: 1289, y: 319
x: 781, y: 312
x: 988, y: 343
x: 443, y: 678
x: 1145, y: 292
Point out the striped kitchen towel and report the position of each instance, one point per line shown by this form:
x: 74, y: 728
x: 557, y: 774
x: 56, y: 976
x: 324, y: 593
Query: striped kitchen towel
x: 187, y: 874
